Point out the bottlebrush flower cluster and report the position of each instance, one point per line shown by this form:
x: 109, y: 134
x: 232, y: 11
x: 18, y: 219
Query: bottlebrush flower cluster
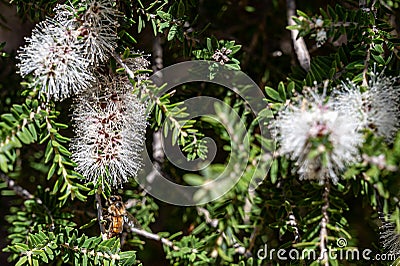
x: 110, y: 124
x: 377, y: 107
x: 62, y: 52
x: 320, y: 138
x: 324, y: 135
x: 390, y: 236
x: 64, y: 56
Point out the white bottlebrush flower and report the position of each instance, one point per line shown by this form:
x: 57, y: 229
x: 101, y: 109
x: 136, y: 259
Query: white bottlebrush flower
x: 377, y: 107
x: 319, y: 23
x: 321, y: 37
x: 138, y: 63
x: 94, y: 25
x: 61, y: 51
x: 98, y: 42
x: 221, y: 56
x: 54, y: 60
x: 110, y: 125
x: 100, y: 12
x: 322, y: 140
x: 390, y: 237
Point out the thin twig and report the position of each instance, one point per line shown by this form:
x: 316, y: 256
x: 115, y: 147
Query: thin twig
x: 158, y: 152
x: 20, y: 191
x: 252, y: 240
x: 239, y: 249
x: 158, y: 62
x: 366, y: 64
x: 158, y: 156
x: 25, y: 194
x: 299, y: 45
x: 363, y: 5
x: 248, y: 205
x: 153, y: 236
x: 100, y: 219
x: 207, y: 216
x: 323, y: 235
x: 127, y: 69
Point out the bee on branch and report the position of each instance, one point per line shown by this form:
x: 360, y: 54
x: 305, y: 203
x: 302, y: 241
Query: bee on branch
x: 117, y: 217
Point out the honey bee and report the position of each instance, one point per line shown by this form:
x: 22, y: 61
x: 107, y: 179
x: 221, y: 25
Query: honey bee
x: 117, y: 217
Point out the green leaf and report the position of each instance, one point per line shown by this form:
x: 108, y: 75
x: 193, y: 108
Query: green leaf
x: 3, y: 163
x: 273, y: 94
x: 293, y: 27
x: 378, y: 48
x: 89, y: 224
x: 355, y: 65
x: 85, y: 260
x: 43, y: 255
x: 48, y: 152
x: 64, y: 151
x: 153, y: 23
x: 22, y: 261
x: 233, y: 66
x: 274, y: 171
x: 49, y: 252
x: 164, y: 15
x: 172, y: 32
x: 281, y: 90
x: 140, y: 24
x: 24, y: 136
x: 130, y: 37
x: 209, y: 46
x: 32, y: 131
x: 181, y: 9
x: 301, y: 14
x: 175, y: 134
x: 21, y: 247
x: 52, y: 170
x: 193, y: 179
x: 379, y: 59
x: 60, y: 125
x: 9, y: 118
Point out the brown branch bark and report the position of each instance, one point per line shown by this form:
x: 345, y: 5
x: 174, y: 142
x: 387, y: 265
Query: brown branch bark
x: 100, y: 216
x: 323, y: 236
x: 299, y: 45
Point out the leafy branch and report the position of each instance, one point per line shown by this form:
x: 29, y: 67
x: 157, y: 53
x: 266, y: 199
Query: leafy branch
x: 61, y: 164
x: 17, y: 128
x: 43, y: 247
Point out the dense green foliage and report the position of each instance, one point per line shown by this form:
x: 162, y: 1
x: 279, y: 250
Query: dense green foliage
x: 56, y: 221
